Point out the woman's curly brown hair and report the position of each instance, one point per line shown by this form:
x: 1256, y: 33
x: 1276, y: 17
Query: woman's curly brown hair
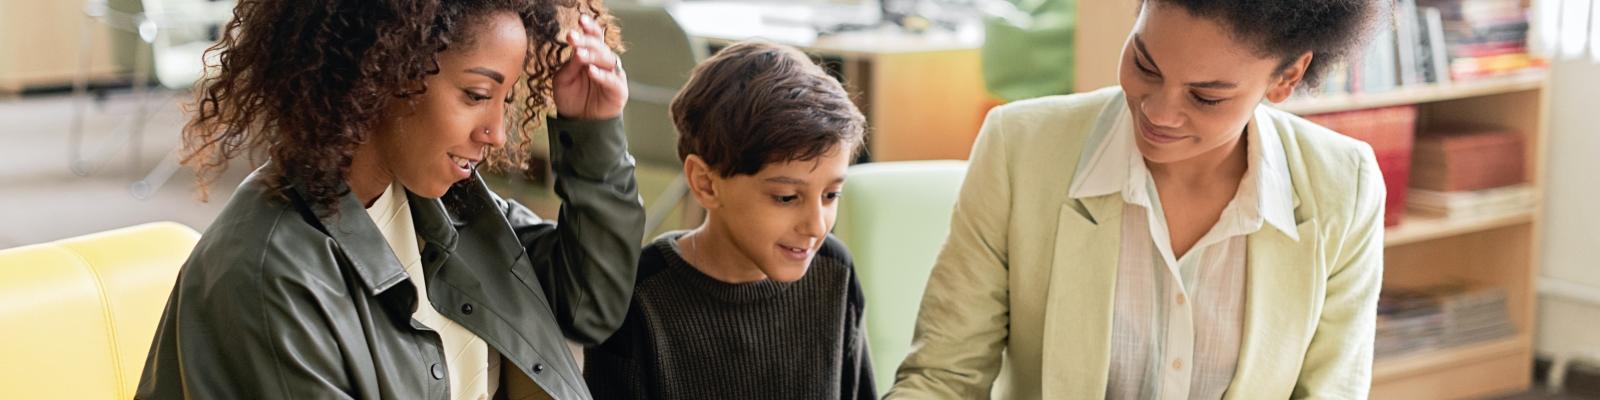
x: 304, y: 83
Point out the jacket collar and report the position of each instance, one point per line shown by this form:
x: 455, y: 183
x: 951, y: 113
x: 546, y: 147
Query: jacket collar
x: 354, y: 232
x: 1109, y: 164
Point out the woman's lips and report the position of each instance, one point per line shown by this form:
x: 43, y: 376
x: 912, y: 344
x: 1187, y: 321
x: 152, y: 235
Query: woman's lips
x: 463, y: 166
x: 1154, y: 136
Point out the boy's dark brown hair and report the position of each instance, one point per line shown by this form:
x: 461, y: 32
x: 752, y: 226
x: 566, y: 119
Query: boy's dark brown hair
x: 756, y: 103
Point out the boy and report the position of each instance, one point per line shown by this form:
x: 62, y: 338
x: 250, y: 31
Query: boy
x: 758, y: 302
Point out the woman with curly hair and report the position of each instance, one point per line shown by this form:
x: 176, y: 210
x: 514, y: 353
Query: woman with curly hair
x: 1171, y: 238
x: 366, y: 258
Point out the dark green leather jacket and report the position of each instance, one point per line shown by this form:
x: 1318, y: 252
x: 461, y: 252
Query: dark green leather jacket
x: 279, y: 302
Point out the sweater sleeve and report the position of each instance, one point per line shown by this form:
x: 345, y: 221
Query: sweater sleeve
x: 857, y: 381
x: 622, y: 366
x: 617, y: 368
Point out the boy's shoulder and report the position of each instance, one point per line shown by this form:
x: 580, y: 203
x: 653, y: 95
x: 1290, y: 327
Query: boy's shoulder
x: 654, y: 256
x: 835, y: 249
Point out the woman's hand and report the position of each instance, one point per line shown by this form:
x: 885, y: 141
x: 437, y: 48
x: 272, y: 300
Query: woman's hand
x: 592, y: 84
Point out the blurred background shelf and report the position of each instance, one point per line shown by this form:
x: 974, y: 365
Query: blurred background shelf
x: 1417, y: 229
x: 1525, y: 81
x: 1401, y: 366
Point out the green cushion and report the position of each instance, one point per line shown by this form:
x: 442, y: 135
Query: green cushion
x: 894, y: 218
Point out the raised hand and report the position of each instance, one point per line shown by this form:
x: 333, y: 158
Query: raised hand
x: 592, y: 84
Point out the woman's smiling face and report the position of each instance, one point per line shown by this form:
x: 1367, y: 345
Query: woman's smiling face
x: 1191, y: 86
x: 436, y: 140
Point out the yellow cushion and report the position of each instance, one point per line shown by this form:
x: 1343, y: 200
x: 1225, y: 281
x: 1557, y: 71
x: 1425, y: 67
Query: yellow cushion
x: 78, y: 315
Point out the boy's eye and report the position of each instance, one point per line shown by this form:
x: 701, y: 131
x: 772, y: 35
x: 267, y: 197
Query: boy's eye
x: 833, y: 195
x: 786, y: 199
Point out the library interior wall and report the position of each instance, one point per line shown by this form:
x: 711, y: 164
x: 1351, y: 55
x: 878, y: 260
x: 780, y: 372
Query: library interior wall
x: 1571, y: 236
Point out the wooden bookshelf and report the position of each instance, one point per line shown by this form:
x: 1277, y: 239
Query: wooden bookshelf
x: 1498, y: 250
x: 1416, y: 229
x: 1390, y: 369
x: 1470, y: 371
x: 1532, y: 80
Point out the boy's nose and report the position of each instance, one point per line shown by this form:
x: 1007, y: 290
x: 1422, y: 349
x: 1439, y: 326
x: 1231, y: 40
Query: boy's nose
x: 816, y: 224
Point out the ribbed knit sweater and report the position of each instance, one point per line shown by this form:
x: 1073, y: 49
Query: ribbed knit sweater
x: 689, y: 336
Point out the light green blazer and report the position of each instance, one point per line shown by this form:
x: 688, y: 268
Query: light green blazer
x: 1019, y: 302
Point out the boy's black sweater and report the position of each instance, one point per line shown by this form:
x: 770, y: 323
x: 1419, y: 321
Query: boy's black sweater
x: 688, y: 336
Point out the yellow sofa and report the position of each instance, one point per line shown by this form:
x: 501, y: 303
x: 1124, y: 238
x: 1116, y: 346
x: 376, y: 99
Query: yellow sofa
x: 77, y: 315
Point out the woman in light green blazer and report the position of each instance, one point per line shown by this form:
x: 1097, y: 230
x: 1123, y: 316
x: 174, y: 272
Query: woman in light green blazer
x: 1087, y: 223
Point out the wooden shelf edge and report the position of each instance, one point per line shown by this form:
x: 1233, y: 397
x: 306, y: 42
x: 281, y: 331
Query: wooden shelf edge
x: 1384, y: 370
x: 1414, y: 229
x: 1523, y: 81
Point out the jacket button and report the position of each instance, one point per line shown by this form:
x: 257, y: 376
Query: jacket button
x: 438, y: 372
x: 466, y: 308
x: 538, y: 368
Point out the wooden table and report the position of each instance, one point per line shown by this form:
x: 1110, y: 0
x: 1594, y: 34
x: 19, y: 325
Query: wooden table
x: 922, y: 93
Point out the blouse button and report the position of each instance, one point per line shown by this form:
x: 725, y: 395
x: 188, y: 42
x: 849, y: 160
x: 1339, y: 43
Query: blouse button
x: 466, y: 308
x: 438, y: 372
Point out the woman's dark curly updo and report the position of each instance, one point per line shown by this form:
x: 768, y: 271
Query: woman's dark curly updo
x: 305, y: 82
x: 1328, y: 29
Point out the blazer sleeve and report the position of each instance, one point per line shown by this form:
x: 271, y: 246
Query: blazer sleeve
x: 962, y: 325
x: 1338, y: 363
x: 587, y: 261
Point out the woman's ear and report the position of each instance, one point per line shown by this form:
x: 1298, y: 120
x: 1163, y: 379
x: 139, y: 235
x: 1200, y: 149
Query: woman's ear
x: 702, y: 181
x: 1289, y: 78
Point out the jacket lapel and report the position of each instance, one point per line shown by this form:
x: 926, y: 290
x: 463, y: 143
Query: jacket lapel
x: 1290, y: 276
x: 358, y: 238
x: 1078, y: 311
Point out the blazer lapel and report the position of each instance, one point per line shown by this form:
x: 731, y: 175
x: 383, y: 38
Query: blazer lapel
x: 1078, y: 313
x: 1284, y: 285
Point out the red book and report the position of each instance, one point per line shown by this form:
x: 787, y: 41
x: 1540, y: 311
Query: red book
x: 1468, y: 158
x: 1390, y: 131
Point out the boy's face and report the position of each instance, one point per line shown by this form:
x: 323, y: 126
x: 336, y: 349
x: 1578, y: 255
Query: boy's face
x: 778, y: 218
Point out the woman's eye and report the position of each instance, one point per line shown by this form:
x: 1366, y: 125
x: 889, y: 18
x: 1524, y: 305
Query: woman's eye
x: 475, y: 97
x: 786, y: 199
x: 1206, y: 101
x: 833, y: 195
x: 1142, y: 69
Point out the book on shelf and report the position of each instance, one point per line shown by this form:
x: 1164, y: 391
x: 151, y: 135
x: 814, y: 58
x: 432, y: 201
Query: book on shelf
x: 1438, y: 42
x: 1464, y: 158
x: 1473, y: 203
x: 1485, y: 37
x: 1391, y: 132
x: 1442, y: 316
x: 1436, y: 67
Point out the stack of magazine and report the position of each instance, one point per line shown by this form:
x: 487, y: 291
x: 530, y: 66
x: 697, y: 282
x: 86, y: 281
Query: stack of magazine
x: 1429, y: 318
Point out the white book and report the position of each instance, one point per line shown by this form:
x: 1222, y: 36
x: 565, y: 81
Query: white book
x: 1471, y: 203
x: 1405, y: 27
x: 1434, y: 24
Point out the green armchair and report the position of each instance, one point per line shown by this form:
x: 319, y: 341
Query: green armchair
x: 894, y: 218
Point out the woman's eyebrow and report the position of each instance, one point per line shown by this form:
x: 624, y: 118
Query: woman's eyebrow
x: 492, y: 74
